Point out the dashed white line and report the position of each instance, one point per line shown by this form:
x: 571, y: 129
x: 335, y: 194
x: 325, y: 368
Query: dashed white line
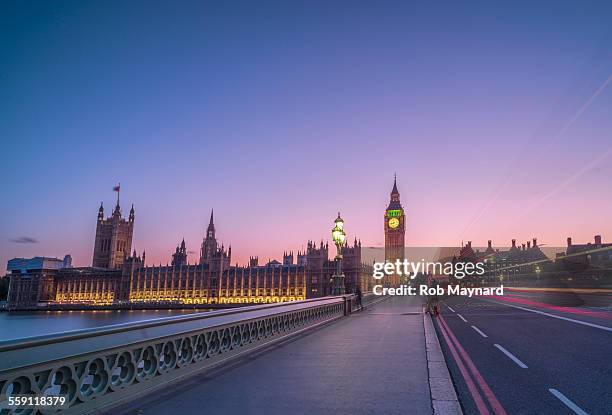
x: 571, y: 405
x: 461, y: 317
x: 511, y: 356
x: 450, y: 308
x: 479, y: 331
x: 584, y: 323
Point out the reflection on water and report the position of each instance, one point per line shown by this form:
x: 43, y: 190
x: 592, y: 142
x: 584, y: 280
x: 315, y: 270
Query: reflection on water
x: 17, y: 325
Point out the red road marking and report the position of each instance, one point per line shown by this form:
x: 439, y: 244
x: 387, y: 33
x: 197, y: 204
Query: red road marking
x: 482, y: 408
x: 498, y: 409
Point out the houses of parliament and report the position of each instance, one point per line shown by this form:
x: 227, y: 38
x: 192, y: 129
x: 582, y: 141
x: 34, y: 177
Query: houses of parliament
x: 121, y: 277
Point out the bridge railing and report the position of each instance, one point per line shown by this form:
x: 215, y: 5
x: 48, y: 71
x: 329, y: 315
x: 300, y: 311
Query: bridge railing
x: 367, y: 299
x: 99, y: 368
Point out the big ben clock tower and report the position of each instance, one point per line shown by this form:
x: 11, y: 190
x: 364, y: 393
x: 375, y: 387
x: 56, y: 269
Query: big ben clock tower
x: 395, y: 230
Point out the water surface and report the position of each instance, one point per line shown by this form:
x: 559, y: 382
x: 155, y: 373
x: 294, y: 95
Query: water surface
x: 16, y: 325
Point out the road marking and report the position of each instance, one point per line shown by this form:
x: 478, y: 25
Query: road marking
x: 511, y: 356
x: 571, y: 405
x: 471, y: 383
x: 479, y: 331
x: 496, y: 406
x: 450, y: 308
x: 584, y: 323
x: 461, y: 317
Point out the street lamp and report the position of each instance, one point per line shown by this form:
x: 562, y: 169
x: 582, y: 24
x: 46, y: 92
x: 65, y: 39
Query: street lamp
x: 339, y: 236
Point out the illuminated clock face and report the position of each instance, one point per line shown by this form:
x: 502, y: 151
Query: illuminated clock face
x: 393, y: 223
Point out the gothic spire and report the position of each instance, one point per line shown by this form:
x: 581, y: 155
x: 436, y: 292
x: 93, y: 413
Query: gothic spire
x: 210, y: 231
x: 394, y: 203
x: 395, y: 191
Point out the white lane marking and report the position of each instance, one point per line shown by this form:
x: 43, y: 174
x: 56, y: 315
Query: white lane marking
x: 584, y: 323
x: 479, y: 331
x: 450, y: 308
x: 461, y: 317
x: 511, y: 356
x: 571, y: 405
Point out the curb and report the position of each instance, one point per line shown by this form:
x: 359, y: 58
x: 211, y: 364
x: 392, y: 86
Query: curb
x: 443, y: 396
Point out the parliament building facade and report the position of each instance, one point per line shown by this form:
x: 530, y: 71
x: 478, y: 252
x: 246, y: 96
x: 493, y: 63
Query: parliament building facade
x: 119, y: 277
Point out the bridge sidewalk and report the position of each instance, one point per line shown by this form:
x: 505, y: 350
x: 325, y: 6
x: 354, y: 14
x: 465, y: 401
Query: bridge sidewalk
x: 372, y: 362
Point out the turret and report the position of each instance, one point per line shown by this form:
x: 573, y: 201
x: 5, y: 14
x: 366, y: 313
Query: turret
x: 101, y: 212
x: 288, y: 258
x: 179, y: 258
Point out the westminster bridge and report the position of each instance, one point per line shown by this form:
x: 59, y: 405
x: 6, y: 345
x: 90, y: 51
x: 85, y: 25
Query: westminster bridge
x: 309, y: 356
x: 532, y: 350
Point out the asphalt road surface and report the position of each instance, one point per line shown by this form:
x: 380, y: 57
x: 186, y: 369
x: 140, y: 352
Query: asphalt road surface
x: 530, y: 352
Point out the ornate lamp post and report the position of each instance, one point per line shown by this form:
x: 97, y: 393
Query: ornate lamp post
x: 339, y: 236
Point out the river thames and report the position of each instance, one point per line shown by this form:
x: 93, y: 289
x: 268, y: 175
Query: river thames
x: 17, y: 325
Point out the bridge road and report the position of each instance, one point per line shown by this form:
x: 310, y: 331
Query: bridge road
x: 372, y: 362
x: 566, y: 349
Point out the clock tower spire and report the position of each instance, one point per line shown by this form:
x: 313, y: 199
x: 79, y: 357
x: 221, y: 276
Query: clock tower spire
x: 395, y: 230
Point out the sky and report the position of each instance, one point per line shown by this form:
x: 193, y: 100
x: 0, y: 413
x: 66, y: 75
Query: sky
x: 495, y: 117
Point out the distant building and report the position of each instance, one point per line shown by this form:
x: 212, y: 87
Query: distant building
x: 121, y: 279
x: 23, y: 265
x: 32, y: 279
x: 596, y: 254
x: 527, y: 263
x: 514, y: 262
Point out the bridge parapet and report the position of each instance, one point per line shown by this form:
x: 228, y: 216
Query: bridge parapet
x: 354, y: 305
x: 103, y: 367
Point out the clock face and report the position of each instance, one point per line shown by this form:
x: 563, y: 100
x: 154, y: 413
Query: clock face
x: 393, y: 223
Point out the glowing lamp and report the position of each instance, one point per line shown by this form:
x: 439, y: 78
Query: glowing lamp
x: 338, y: 234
